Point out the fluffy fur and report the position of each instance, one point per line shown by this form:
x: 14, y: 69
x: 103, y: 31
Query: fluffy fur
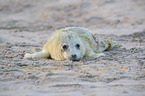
x: 73, y: 43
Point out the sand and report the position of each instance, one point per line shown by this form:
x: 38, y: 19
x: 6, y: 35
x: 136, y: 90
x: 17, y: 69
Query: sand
x: 26, y: 25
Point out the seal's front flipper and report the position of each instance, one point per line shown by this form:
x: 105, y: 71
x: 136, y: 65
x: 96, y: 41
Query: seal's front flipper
x: 92, y: 54
x: 42, y: 54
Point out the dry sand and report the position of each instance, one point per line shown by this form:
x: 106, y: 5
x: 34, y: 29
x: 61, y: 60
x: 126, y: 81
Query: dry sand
x: 26, y: 25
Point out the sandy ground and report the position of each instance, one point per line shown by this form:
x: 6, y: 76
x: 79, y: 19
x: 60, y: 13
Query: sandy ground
x: 26, y: 25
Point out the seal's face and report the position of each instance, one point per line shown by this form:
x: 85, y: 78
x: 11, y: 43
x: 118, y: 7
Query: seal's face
x: 71, y: 51
x: 66, y: 45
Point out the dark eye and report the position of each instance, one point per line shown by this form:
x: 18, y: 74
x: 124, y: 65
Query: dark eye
x: 64, y: 47
x: 78, y: 45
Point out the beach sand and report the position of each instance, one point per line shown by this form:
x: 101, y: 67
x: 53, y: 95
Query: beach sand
x: 26, y: 25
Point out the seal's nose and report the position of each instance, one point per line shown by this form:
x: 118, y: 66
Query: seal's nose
x: 74, y: 55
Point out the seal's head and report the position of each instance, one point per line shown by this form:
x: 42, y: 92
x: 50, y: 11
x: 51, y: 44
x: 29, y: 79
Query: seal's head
x: 66, y: 45
x: 71, y: 47
x: 71, y: 50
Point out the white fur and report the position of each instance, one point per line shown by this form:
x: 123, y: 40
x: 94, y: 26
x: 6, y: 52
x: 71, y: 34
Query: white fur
x: 71, y: 36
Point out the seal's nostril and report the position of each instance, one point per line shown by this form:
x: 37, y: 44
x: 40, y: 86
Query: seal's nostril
x: 74, y: 55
